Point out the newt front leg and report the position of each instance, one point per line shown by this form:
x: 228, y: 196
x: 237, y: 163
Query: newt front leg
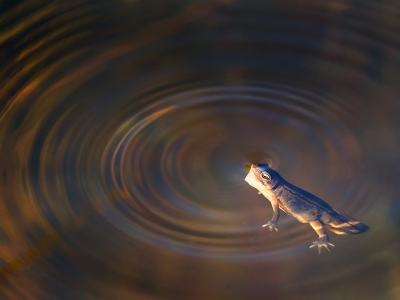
x: 275, y: 217
x: 323, y: 240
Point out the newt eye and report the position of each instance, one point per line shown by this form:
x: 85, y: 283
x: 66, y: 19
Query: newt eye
x: 266, y: 176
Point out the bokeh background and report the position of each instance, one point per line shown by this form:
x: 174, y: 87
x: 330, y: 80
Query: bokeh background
x: 126, y: 125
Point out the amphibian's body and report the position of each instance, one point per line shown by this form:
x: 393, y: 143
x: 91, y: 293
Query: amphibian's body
x: 305, y: 207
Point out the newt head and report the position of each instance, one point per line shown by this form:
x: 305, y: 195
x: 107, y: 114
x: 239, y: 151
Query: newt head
x: 262, y: 177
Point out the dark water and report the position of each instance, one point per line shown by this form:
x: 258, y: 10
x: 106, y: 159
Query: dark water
x: 125, y: 128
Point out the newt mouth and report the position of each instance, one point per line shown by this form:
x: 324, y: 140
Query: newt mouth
x: 254, y: 168
x: 252, y: 177
x: 250, y: 167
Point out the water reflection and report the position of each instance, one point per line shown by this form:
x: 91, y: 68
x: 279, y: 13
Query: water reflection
x: 126, y: 126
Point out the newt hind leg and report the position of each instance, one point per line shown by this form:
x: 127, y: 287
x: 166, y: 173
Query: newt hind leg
x: 323, y: 239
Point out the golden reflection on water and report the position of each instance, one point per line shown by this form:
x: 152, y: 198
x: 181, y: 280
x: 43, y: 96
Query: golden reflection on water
x: 127, y: 129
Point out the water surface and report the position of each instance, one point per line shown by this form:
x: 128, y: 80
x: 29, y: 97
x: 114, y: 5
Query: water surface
x: 125, y: 128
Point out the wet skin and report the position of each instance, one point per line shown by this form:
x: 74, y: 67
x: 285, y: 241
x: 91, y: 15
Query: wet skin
x: 302, y: 205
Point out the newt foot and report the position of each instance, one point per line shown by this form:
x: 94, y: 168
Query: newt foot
x: 322, y: 242
x: 271, y: 226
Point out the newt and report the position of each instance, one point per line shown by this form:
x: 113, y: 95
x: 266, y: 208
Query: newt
x: 302, y: 205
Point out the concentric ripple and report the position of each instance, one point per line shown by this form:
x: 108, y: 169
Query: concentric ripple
x: 126, y: 126
x: 179, y: 165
